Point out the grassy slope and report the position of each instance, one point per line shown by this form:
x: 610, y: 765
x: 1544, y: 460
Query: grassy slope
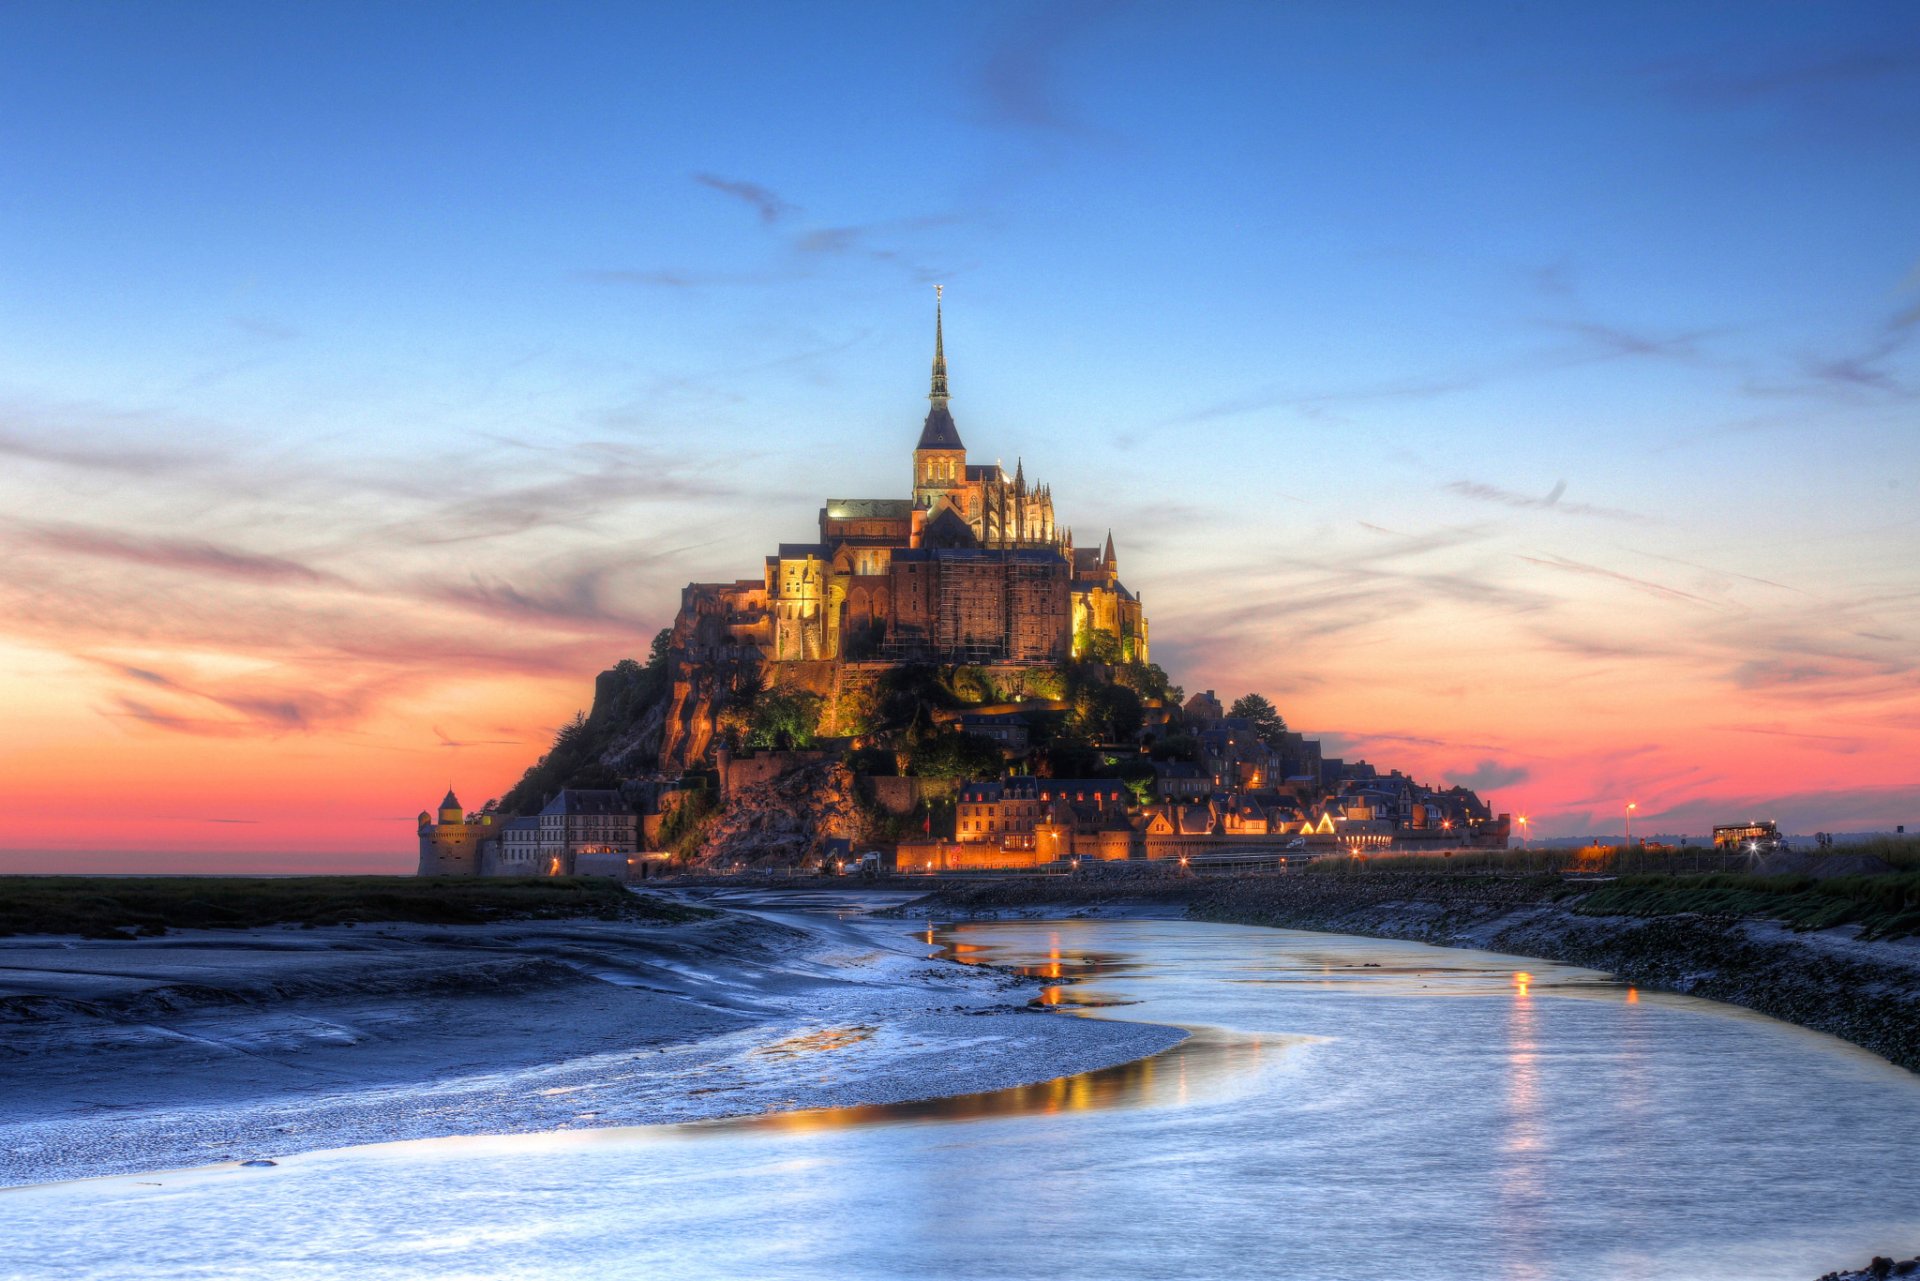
x: 1881, y: 906
x: 119, y: 907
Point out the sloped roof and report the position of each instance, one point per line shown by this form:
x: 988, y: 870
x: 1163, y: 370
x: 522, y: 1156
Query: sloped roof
x: 948, y: 530
x: 939, y: 432
x: 587, y: 800
x: 857, y: 508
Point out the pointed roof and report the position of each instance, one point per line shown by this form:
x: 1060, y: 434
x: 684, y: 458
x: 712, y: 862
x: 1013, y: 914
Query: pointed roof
x: 939, y: 431
x: 450, y: 801
x: 938, y: 395
x: 948, y: 529
x: 1106, y: 557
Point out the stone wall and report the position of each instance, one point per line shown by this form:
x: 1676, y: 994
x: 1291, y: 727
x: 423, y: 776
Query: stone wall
x: 755, y: 768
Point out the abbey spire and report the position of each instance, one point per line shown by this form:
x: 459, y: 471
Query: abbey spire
x: 939, y: 393
x: 940, y: 459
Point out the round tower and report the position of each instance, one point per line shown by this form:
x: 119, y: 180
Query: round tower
x: 450, y: 845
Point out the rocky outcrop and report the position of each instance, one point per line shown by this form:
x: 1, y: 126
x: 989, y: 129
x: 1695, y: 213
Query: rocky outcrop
x: 784, y: 821
x: 706, y: 680
x: 1879, y: 1269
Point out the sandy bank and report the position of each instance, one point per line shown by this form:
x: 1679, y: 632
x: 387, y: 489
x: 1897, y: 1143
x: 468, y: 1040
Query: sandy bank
x: 120, y: 1056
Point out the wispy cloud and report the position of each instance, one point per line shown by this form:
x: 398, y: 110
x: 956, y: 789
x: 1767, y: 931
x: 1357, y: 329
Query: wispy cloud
x: 1597, y: 342
x: 1313, y: 403
x: 174, y: 554
x: 447, y: 740
x: 1018, y: 80
x: 764, y: 200
x: 1550, y: 501
x: 1563, y: 565
x: 1845, y: 744
x: 1614, y: 341
x: 798, y: 252
x: 265, y: 328
x: 85, y: 443
x: 673, y: 278
x: 1490, y: 775
x: 1717, y: 84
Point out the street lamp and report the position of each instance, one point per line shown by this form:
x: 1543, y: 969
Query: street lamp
x: 1523, y: 831
x: 1631, y: 807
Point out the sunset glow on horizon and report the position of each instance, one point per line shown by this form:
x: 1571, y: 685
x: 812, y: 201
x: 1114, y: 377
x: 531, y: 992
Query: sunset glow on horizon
x: 1525, y: 400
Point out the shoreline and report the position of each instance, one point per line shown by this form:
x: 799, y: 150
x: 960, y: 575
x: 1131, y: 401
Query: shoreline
x: 205, y: 1047
x: 1866, y: 992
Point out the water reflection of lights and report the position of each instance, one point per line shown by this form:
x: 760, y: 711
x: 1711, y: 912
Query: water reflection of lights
x: 1205, y: 1061
x: 1523, y: 1193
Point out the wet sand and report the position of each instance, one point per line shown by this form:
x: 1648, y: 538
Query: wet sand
x: 122, y: 1056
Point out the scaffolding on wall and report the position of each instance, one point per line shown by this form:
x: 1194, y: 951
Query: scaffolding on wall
x: 1028, y: 621
x: 971, y: 620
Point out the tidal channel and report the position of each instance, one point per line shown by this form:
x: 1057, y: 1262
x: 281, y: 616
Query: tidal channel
x: 1345, y: 1108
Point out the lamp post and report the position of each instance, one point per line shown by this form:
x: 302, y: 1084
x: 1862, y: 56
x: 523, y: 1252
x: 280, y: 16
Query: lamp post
x: 1631, y: 807
x: 1523, y: 831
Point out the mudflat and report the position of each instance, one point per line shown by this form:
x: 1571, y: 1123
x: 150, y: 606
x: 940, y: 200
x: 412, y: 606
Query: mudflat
x: 129, y: 1054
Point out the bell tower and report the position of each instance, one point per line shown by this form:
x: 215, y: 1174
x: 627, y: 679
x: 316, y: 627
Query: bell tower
x: 940, y: 459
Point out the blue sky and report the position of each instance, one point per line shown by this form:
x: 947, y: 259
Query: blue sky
x: 1316, y: 305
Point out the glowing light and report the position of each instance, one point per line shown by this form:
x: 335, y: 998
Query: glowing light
x: 1522, y: 982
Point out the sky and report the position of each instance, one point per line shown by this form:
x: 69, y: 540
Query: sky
x: 1520, y: 396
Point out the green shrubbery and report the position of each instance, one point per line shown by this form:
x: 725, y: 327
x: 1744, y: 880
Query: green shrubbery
x: 956, y: 756
x: 784, y: 718
x: 683, y: 828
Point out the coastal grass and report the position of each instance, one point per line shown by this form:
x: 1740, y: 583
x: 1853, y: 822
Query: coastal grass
x: 1886, y: 906
x: 1897, y: 853
x: 1592, y: 860
x: 1902, y: 853
x: 128, y: 907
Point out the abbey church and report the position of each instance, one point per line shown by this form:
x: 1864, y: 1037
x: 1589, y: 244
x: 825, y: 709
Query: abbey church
x: 972, y: 568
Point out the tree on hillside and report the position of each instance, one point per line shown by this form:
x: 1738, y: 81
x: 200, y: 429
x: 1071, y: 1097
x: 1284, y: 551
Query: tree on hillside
x: 784, y: 718
x: 1265, y: 717
x: 1094, y: 646
x: 953, y: 755
x: 971, y: 686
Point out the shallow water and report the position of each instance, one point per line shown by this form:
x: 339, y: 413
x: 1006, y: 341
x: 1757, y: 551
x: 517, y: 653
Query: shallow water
x: 1347, y: 1108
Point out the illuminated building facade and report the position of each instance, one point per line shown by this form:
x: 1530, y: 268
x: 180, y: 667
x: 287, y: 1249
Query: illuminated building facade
x: 972, y: 568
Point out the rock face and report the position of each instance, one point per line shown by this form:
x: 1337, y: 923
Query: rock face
x: 786, y: 820
x: 706, y: 680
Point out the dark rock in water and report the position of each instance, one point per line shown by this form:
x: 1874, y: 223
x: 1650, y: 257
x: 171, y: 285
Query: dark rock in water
x: 259, y: 1160
x: 1878, y: 1270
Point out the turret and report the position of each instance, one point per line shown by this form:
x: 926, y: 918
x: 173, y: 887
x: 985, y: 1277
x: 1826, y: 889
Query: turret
x: 450, y: 811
